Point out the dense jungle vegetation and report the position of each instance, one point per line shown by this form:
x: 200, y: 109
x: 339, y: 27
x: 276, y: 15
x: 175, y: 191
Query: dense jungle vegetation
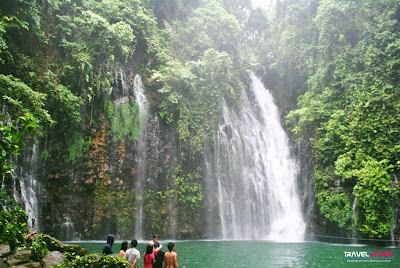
x: 333, y: 66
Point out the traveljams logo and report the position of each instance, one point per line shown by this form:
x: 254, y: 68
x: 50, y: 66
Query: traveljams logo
x: 368, y: 256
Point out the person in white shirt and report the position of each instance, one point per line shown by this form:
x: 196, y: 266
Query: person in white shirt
x: 132, y: 255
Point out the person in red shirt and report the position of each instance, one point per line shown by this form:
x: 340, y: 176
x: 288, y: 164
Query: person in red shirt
x: 148, y: 257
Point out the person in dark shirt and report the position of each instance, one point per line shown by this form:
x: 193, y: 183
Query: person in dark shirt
x: 159, y: 254
x: 108, y: 246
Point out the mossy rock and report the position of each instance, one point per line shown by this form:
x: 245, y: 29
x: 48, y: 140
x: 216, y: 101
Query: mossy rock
x: 52, y: 243
x: 56, y: 245
x: 78, y: 250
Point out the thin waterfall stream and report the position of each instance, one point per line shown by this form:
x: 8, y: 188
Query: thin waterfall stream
x: 140, y: 157
x: 29, y: 185
x: 253, y: 173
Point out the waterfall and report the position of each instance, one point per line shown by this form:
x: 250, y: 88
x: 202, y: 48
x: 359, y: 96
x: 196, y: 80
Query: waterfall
x: 353, y: 221
x: 124, y: 92
x: 250, y: 167
x: 67, y: 228
x: 140, y: 156
x: 26, y: 173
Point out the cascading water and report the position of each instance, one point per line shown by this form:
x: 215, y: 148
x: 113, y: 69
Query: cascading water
x: 29, y: 186
x: 124, y: 92
x: 353, y: 220
x: 67, y: 228
x: 250, y: 168
x: 140, y: 157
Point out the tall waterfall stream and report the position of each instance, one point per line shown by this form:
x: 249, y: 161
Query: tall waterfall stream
x: 253, y: 174
x: 143, y: 108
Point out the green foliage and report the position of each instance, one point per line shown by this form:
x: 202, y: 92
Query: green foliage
x: 99, y: 36
x: 78, y: 147
x: 204, y: 72
x: 91, y: 34
x: 190, y: 196
x: 96, y: 261
x: 18, y: 99
x: 117, y: 205
x: 336, y: 207
x: 13, y: 229
x: 63, y: 104
x: 38, y: 248
x: 11, y: 139
x: 3, y: 43
x: 172, y: 10
x: 156, y: 204
x: 210, y: 26
x: 194, y: 92
x: 16, y: 16
x: 124, y: 120
x: 372, y: 192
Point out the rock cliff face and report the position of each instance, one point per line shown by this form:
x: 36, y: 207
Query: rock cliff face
x: 98, y: 193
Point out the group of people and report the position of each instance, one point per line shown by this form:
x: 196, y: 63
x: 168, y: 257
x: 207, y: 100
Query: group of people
x: 154, y: 257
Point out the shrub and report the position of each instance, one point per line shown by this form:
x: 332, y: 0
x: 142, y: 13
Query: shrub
x: 95, y: 261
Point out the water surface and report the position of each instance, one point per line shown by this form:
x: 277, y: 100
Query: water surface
x: 222, y: 254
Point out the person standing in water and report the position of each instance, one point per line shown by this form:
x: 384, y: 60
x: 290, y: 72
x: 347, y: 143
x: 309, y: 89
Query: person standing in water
x: 108, y: 246
x: 171, y: 258
x: 132, y: 255
x: 155, y: 239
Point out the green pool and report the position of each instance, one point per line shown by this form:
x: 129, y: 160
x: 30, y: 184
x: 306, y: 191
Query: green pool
x: 198, y: 254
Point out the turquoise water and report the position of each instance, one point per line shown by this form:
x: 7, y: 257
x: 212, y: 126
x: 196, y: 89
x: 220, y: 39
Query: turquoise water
x: 221, y: 254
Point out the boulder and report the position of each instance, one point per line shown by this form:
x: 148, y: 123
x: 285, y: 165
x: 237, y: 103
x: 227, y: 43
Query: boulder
x: 53, y: 258
x: 5, y: 250
x: 20, y: 257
